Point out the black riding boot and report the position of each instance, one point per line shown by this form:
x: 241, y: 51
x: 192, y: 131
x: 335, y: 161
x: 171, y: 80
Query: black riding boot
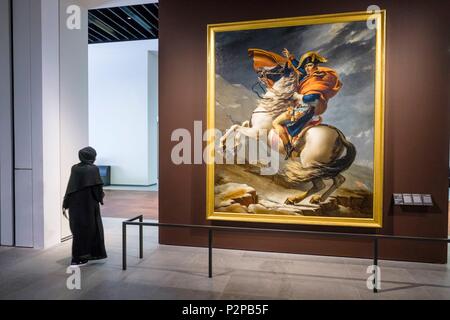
x: 288, y: 147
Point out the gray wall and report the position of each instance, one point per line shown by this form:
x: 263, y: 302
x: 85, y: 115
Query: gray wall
x: 36, y: 122
x: 6, y: 165
x: 153, y: 114
x: 123, y: 109
x: 74, y: 112
x: 48, y: 128
x: 31, y: 28
x: 24, y: 88
x: 51, y: 225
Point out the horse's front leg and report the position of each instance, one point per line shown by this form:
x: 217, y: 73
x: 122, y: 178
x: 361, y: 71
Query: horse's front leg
x: 224, y: 138
x: 238, y: 135
x: 233, y: 128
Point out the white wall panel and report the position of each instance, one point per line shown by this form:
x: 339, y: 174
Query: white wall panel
x: 153, y: 115
x: 123, y: 104
x: 36, y: 123
x: 22, y: 83
x: 74, y: 122
x: 24, y: 208
x: 22, y: 69
x: 50, y: 117
x: 6, y: 146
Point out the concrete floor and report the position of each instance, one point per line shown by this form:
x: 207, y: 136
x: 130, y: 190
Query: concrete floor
x: 153, y: 188
x: 169, y: 272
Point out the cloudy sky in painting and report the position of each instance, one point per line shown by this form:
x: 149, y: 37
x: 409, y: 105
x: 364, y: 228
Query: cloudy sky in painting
x: 350, y: 50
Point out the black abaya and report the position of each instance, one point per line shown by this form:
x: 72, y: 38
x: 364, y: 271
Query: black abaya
x: 83, y: 196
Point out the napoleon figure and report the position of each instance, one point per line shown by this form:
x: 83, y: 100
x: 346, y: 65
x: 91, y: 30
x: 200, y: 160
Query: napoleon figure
x: 317, y: 84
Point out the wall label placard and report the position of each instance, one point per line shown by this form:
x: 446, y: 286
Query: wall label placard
x: 416, y: 199
x: 427, y: 200
x: 398, y: 199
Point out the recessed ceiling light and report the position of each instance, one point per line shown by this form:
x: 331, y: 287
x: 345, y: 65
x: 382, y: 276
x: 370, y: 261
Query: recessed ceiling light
x: 129, y: 18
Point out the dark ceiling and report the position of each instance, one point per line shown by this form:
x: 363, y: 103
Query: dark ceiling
x: 128, y: 23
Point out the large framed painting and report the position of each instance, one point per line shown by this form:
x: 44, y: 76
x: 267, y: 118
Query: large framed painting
x: 295, y: 117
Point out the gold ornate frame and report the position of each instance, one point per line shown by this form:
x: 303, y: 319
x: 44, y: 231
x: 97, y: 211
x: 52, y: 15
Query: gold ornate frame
x: 379, y: 19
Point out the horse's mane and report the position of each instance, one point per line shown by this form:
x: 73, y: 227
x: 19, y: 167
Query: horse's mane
x: 280, y: 96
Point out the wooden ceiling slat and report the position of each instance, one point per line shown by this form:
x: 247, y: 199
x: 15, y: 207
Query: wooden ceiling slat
x: 143, y: 18
x: 129, y: 24
x: 113, y: 24
x: 93, y: 38
x: 100, y: 12
x: 99, y: 33
x: 135, y: 20
x: 150, y: 12
x: 106, y: 28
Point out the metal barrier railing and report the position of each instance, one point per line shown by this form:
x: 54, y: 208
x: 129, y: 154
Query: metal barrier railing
x: 374, y: 237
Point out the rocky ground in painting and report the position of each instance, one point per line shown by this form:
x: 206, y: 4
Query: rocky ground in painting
x: 240, y: 189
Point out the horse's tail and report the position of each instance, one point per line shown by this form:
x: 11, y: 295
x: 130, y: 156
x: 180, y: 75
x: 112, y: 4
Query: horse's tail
x: 321, y: 170
x: 343, y: 163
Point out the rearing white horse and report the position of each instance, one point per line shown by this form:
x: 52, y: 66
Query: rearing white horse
x: 320, y: 155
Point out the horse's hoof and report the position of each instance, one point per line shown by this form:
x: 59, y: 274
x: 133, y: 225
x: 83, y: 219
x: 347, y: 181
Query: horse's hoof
x: 316, y: 199
x: 289, y: 202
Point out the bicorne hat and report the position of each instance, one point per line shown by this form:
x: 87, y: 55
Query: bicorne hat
x: 311, y: 56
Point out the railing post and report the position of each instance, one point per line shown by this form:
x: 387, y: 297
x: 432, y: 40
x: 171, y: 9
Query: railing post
x: 124, y: 246
x: 375, y: 264
x: 210, y: 239
x: 141, y: 238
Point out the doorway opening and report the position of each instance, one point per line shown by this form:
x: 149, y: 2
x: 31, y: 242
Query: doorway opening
x: 123, y: 106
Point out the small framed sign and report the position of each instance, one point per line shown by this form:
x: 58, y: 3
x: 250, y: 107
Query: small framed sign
x: 417, y: 199
x: 407, y: 199
x: 427, y: 200
x: 398, y: 199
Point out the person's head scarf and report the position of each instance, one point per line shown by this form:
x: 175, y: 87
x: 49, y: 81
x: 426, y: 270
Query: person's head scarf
x: 84, y: 174
x: 87, y: 155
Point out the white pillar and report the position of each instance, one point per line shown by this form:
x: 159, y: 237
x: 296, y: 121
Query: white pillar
x: 6, y: 149
x: 36, y: 122
x: 27, y: 108
x: 74, y: 111
x: 50, y: 118
x: 51, y: 124
x: 153, y: 115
